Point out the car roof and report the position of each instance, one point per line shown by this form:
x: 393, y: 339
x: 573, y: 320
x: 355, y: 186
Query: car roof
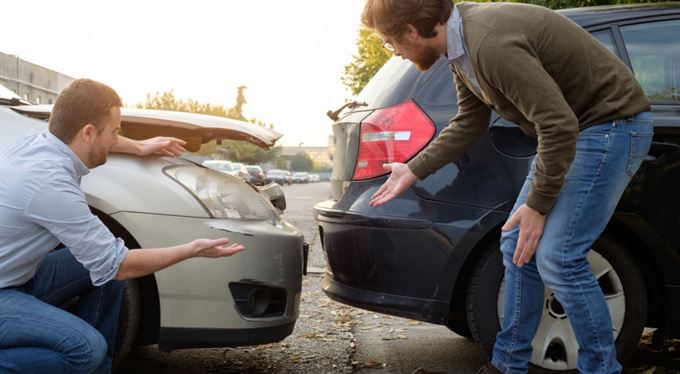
x: 597, y: 15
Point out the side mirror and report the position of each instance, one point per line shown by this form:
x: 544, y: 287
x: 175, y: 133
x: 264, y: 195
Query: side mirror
x: 275, y: 194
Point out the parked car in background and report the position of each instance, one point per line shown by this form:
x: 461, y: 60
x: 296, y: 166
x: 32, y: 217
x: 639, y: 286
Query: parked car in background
x: 159, y: 201
x: 257, y: 176
x: 300, y: 177
x: 314, y: 178
x: 241, y: 171
x: 432, y: 254
x: 279, y: 176
x: 223, y: 166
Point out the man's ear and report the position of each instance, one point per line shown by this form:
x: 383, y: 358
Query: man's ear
x: 411, y: 32
x: 88, y: 133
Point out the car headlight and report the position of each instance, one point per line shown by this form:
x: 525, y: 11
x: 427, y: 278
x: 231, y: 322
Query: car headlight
x: 222, y: 195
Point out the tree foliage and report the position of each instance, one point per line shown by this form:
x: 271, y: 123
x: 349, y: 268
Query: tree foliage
x: 302, y: 162
x: 230, y: 149
x: 564, y: 4
x: 370, y: 56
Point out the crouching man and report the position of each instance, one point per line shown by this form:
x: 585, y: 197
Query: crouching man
x: 42, y: 205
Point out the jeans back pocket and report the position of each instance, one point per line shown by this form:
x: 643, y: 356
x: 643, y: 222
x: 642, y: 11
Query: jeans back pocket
x: 639, y: 147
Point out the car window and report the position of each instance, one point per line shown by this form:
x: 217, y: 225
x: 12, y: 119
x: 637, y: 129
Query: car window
x: 391, y: 85
x: 605, y: 37
x: 654, y: 51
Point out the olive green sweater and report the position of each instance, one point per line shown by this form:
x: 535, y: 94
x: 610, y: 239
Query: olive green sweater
x: 540, y: 70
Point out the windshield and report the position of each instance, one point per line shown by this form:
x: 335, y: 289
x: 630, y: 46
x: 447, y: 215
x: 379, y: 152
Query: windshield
x: 5, y: 93
x: 218, y: 165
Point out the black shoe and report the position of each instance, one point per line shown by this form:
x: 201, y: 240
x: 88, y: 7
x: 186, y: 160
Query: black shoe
x: 488, y: 369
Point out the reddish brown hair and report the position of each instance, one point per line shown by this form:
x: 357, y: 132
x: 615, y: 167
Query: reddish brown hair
x: 390, y: 17
x: 81, y: 102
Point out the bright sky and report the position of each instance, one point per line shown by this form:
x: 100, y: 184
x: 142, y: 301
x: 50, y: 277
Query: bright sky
x: 290, y: 54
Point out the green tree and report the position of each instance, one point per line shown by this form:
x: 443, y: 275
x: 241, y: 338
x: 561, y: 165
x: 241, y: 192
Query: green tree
x: 564, y: 4
x: 236, y: 111
x: 302, y: 162
x: 234, y: 150
x: 370, y: 57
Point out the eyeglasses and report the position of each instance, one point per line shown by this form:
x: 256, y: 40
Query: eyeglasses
x: 388, y: 45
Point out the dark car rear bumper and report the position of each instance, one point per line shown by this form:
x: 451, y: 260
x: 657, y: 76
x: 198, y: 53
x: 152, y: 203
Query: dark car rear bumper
x: 401, y: 267
x: 432, y: 311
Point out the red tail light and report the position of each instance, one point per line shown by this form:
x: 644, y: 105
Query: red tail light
x: 393, y: 134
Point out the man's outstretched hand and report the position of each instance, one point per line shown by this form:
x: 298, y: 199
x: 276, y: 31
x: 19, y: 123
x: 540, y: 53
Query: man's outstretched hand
x: 161, y: 145
x: 400, y: 179
x: 214, y: 248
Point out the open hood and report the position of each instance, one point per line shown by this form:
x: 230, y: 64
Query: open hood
x: 195, y: 129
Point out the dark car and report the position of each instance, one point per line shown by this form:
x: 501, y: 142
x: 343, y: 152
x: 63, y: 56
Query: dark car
x: 257, y: 176
x: 432, y: 254
x: 279, y: 176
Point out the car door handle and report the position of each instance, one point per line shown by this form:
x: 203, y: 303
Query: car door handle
x: 659, y: 149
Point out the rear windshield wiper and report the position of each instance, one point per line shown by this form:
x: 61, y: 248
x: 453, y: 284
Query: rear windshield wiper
x: 14, y: 101
x: 334, y: 115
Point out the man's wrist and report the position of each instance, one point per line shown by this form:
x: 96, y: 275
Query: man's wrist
x: 137, y: 146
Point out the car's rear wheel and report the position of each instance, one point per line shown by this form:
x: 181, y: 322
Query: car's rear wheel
x: 128, y: 322
x: 555, y: 347
x: 460, y: 328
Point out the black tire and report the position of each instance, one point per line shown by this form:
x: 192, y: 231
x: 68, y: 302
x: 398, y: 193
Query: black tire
x: 483, y: 290
x: 460, y: 328
x: 128, y: 323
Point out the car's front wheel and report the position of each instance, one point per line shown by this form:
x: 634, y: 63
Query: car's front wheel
x: 554, y: 347
x: 128, y: 322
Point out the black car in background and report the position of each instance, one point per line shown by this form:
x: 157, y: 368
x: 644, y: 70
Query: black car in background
x: 432, y: 254
x: 279, y: 176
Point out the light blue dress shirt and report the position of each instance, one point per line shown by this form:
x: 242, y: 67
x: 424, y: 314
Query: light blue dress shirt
x: 42, y: 205
x: 457, y: 50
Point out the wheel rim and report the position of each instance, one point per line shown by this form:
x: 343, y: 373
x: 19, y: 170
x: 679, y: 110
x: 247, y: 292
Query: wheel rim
x: 555, y: 346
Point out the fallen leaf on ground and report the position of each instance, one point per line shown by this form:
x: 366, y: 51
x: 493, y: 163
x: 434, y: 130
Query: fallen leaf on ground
x: 369, y: 364
x: 392, y: 337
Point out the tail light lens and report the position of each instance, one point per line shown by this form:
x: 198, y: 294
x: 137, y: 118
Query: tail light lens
x: 393, y: 134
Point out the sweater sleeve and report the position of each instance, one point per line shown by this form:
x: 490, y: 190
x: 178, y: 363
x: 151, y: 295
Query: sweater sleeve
x: 469, y: 124
x: 515, y: 70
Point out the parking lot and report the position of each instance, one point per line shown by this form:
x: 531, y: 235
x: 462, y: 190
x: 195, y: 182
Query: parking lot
x: 334, y: 338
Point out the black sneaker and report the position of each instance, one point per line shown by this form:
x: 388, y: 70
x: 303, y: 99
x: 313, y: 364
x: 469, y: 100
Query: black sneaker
x: 488, y: 369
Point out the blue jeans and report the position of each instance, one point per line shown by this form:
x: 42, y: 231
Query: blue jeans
x: 607, y: 156
x: 38, y: 337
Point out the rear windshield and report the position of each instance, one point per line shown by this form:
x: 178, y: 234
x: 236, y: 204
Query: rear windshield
x: 391, y: 85
x: 395, y: 82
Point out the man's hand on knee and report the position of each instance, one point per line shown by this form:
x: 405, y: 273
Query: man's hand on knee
x: 531, y: 224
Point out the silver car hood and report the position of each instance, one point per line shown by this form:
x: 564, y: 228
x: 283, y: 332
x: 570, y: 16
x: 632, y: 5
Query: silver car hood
x: 195, y: 129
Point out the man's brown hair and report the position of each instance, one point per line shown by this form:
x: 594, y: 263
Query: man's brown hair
x: 81, y: 102
x: 390, y: 17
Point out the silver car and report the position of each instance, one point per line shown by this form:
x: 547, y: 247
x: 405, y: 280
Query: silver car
x: 252, y: 298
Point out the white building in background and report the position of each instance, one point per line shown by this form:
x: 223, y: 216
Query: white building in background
x: 30, y: 81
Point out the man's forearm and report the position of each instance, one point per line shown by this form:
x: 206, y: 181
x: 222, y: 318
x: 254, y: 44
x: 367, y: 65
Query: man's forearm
x: 141, y: 262
x: 125, y: 145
